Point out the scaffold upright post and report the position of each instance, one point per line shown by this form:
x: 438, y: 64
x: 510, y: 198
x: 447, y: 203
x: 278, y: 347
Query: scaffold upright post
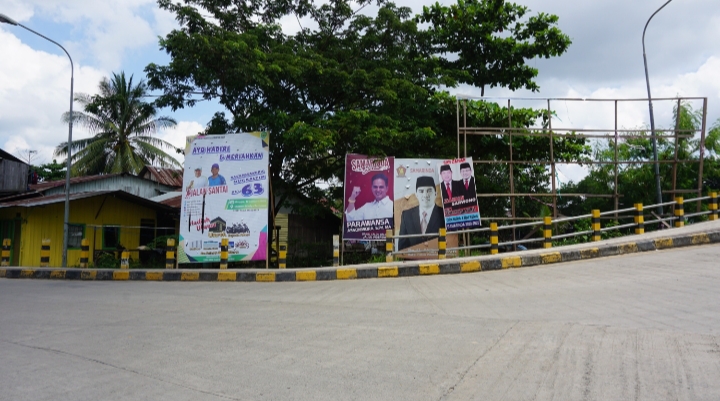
x: 388, y: 245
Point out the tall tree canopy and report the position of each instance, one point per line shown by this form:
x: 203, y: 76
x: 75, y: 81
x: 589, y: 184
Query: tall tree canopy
x: 346, y: 81
x: 122, y: 124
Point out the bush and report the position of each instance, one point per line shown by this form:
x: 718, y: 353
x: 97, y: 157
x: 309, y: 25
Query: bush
x: 161, y: 242
x: 107, y: 260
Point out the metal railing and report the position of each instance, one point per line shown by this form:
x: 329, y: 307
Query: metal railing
x: 678, y: 219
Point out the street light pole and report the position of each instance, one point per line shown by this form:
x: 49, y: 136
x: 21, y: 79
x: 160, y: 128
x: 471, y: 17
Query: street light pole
x: 652, y: 117
x: 7, y: 20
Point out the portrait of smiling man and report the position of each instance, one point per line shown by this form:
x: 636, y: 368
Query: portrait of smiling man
x: 216, y: 179
x: 465, y: 187
x: 381, y: 207
x: 199, y: 181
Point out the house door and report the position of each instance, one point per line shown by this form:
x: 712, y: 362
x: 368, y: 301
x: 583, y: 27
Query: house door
x: 11, y: 229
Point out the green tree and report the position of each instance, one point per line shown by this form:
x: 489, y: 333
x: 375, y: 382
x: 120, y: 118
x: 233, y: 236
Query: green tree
x: 633, y: 179
x: 122, y: 124
x: 354, y: 84
x: 712, y: 146
x: 50, y: 171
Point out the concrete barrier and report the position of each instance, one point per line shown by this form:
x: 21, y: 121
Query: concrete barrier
x: 694, y: 235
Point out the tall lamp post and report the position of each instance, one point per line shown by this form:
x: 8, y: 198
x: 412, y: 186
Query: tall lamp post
x: 652, y: 117
x: 7, y: 20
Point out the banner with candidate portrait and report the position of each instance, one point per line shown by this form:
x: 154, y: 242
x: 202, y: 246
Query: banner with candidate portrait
x: 459, y: 196
x: 418, y: 208
x: 368, y: 200
x: 225, y: 195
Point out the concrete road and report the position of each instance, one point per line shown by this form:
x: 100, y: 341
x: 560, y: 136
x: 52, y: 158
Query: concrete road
x: 638, y: 327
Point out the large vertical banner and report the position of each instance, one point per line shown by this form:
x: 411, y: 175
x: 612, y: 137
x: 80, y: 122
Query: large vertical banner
x: 457, y: 186
x: 225, y: 195
x: 368, y: 197
x: 418, y: 208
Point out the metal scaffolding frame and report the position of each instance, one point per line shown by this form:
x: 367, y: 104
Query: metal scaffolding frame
x: 615, y: 134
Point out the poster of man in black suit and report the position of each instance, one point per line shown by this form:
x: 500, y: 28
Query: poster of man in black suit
x: 465, y: 186
x: 426, y: 218
x: 449, y: 187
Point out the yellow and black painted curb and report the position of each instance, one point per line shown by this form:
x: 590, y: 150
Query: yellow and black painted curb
x: 401, y: 269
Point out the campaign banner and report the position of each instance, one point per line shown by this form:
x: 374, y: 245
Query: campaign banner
x: 459, y: 197
x: 418, y: 208
x: 368, y: 197
x: 225, y: 195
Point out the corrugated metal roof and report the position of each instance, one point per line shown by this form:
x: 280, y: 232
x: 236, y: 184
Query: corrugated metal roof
x: 59, y: 198
x: 174, y: 202
x: 166, y: 196
x: 172, y: 199
x: 6, y: 155
x: 46, y: 200
x: 23, y: 195
x: 167, y: 176
x: 58, y: 183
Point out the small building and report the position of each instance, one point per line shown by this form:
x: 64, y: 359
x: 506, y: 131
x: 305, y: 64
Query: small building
x: 13, y: 174
x: 217, y: 225
x: 110, y: 220
x: 307, y: 228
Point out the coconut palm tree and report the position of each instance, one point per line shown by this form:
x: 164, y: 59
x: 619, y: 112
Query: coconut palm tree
x: 122, y: 125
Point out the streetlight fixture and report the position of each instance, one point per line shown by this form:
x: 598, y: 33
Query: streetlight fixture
x: 652, y: 117
x: 7, y: 20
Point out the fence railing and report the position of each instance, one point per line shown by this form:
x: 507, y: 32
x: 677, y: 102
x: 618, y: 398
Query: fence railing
x: 88, y: 251
x: 678, y: 219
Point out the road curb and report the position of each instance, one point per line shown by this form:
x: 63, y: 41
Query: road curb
x: 593, y: 250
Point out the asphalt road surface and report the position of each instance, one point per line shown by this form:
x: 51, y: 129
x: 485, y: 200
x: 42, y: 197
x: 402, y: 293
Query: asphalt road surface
x: 639, y: 327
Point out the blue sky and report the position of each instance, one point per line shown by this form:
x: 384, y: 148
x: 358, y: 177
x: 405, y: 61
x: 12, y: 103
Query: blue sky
x: 604, y: 61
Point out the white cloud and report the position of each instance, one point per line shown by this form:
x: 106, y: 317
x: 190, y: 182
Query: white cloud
x: 34, y: 92
x: 102, y: 32
x: 176, y: 136
x: 704, y: 81
x: 18, y: 10
x: 605, y: 61
x: 164, y: 22
x: 570, y: 172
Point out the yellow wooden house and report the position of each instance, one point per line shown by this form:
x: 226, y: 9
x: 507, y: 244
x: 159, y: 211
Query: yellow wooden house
x: 110, y: 220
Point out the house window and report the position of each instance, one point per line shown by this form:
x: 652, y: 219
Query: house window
x: 147, y: 231
x: 111, y: 237
x: 76, y: 232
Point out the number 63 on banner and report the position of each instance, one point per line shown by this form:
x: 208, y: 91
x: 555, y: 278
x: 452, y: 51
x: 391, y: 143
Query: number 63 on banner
x: 252, y: 189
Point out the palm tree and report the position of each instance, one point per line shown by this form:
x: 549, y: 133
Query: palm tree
x: 122, y: 125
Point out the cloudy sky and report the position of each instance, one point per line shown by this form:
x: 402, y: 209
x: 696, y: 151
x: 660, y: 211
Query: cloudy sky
x: 604, y: 61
